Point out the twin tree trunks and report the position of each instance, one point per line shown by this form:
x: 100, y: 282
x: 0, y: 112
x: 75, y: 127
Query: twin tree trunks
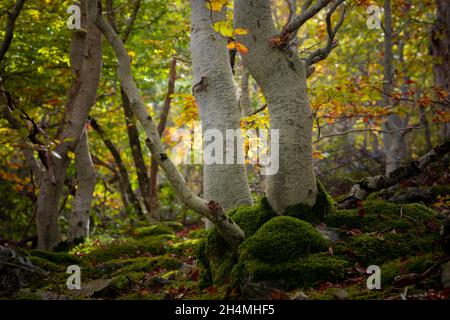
x: 278, y: 71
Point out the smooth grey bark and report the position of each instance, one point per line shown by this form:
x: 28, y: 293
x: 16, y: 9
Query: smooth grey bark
x: 282, y: 78
x: 86, y: 181
x: 229, y: 230
x: 244, y: 98
x: 393, y: 142
x: 86, y: 58
x: 215, y: 92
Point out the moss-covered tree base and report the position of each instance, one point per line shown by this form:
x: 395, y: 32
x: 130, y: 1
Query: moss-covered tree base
x: 286, y: 252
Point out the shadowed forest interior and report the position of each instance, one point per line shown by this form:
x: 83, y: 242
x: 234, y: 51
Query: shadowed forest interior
x: 219, y: 149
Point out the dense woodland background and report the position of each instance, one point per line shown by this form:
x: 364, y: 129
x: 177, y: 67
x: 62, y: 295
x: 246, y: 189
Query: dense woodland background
x: 379, y: 101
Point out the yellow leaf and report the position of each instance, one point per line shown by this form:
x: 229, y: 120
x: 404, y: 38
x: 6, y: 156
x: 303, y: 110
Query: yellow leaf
x: 240, y: 31
x: 231, y: 45
x: 216, y: 5
x: 224, y: 28
x: 71, y: 155
x: 241, y: 48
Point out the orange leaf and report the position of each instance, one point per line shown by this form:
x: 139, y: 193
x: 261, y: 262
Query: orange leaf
x: 241, y: 48
x: 231, y: 45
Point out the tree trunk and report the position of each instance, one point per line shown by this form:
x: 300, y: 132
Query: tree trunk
x: 229, y: 230
x: 282, y: 78
x: 215, y: 93
x: 393, y: 142
x: 86, y: 181
x: 86, y: 57
x: 440, y: 49
x: 244, y: 99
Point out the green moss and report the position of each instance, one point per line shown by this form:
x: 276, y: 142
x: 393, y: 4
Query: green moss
x: 323, y: 207
x: 144, y: 264
x: 46, y: 265
x: 189, y: 244
x: 56, y: 257
x: 130, y: 247
x: 153, y: 230
x: 308, y: 271
x: 174, y: 225
x: 213, y: 253
x: 382, y: 216
x: 282, y: 239
x: 125, y: 282
x: 440, y: 190
x: 416, y: 264
x: 379, y: 248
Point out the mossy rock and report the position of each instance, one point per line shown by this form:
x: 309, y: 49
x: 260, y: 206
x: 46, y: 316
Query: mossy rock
x: 324, y: 206
x: 281, y: 239
x: 381, y: 215
x: 300, y: 272
x: 215, y: 257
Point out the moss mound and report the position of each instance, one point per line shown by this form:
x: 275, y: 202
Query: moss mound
x: 282, y: 239
x: 288, y: 252
x: 214, y: 255
x: 296, y: 272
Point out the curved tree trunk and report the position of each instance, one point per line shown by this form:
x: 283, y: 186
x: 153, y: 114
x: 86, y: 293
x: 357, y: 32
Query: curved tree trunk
x: 86, y: 180
x: 393, y: 142
x: 215, y: 92
x: 229, y: 230
x: 86, y: 58
x: 282, y: 78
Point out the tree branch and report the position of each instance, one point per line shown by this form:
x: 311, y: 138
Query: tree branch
x: 362, y: 189
x: 309, y: 11
x: 10, y: 27
x: 211, y: 210
x: 322, y: 53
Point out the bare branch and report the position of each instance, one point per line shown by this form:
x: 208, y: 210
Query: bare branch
x: 322, y: 53
x: 130, y: 21
x: 10, y: 27
x: 310, y: 11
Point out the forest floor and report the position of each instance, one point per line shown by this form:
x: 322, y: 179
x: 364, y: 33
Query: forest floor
x: 160, y: 261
